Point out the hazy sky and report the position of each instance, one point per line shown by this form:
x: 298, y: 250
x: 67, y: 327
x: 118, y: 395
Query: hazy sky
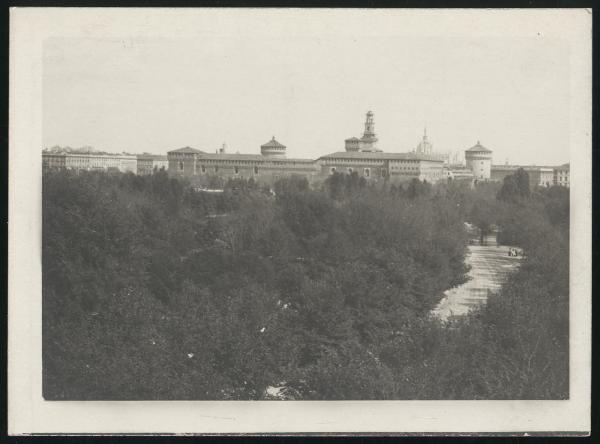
x: 311, y: 91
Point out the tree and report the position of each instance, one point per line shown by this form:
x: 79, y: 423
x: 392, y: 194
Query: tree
x: 342, y: 186
x: 522, y: 180
x: 154, y: 291
x: 515, y: 187
x: 483, y: 217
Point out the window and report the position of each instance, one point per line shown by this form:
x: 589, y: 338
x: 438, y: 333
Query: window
x: 383, y: 172
x: 203, y: 169
x: 180, y: 166
x: 216, y: 168
x: 332, y: 170
x: 256, y: 170
x: 367, y: 172
x: 236, y: 170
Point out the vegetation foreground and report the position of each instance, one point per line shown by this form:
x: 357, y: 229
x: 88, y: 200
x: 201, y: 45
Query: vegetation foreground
x: 154, y: 291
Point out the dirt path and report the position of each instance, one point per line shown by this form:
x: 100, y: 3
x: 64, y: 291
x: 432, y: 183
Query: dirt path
x: 489, y: 267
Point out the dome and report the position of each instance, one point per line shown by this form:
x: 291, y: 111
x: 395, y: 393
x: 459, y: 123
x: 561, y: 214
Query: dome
x: 479, y: 148
x: 272, y: 148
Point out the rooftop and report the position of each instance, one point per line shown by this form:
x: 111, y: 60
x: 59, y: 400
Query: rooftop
x: 516, y: 167
x: 379, y: 155
x: 91, y: 154
x: 250, y: 157
x: 152, y: 157
x: 479, y: 148
x: 273, y: 144
x: 186, y: 149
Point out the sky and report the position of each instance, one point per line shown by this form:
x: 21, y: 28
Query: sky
x: 310, y: 90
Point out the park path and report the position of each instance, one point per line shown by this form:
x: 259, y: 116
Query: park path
x: 490, y: 264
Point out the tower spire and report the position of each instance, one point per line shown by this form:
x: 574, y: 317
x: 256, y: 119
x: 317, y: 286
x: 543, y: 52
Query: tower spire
x: 369, y: 125
x: 368, y: 142
x: 424, y: 147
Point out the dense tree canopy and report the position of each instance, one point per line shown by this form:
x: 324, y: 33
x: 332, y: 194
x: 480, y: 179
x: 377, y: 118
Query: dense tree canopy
x: 515, y: 187
x: 152, y: 290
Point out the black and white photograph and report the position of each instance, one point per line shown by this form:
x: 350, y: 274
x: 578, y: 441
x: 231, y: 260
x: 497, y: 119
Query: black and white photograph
x: 275, y: 205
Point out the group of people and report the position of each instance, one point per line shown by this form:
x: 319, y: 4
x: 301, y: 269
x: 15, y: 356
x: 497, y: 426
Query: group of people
x: 513, y: 252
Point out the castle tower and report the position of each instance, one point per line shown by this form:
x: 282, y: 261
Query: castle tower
x: 273, y: 149
x: 353, y: 144
x: 479, y: 161
x: 368, y: 142
x: 369, y: 125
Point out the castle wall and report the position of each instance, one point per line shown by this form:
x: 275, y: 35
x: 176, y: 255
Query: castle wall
x: 392, y: 170
x: 368, y: 168
x: 203, y: 171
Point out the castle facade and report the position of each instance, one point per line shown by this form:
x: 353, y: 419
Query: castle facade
x: 361, y: 156
x: 203, y: 168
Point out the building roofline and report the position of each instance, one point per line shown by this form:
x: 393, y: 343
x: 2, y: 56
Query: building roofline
x: 186, y: 149
x: 380, y: 155
x: 525, y: 167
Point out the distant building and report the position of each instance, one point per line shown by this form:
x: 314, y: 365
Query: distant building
x: 377, y: 166
x: 149, y: 163
x: 368, y: 141
x: 53, y: 161
x: 538, y: 175
x: 561, y: 175
x: 458, y: 172
x: 182, y: 162
x: 91, y: 161
x: 363, y: 157
x: 269, y: 166
x: 479, y: 161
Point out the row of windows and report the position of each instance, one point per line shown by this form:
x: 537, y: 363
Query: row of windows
x: 253, y: 162
x: 369, y: 160
x: 202, y: 169
x: 366, y: 171
x: 372, y: 161
x: 404, y: 168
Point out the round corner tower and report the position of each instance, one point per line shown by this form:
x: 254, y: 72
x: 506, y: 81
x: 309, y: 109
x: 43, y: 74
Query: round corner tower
x: 273, y: 149
x: 479, y: 161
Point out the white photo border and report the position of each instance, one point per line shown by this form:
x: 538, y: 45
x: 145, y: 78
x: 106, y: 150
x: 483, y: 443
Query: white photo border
x: 28, y: 413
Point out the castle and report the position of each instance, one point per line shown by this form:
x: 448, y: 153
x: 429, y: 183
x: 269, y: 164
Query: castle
x: 361, y: 156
